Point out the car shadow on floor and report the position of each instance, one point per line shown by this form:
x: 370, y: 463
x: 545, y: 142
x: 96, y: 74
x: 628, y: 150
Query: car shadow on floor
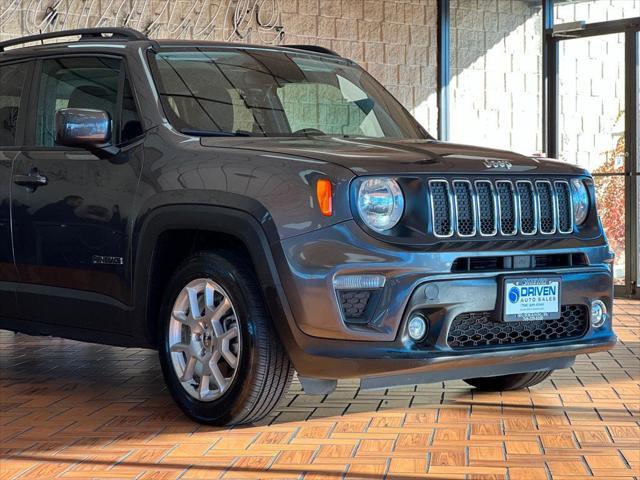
x: 59, y: 379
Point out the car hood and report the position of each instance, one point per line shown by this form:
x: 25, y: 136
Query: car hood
x: 384, y: 156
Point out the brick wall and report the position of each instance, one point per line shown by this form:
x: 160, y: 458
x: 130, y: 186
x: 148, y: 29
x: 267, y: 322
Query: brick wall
x: 496, y: 73
x: 495, y: 55
x: 394, y: 40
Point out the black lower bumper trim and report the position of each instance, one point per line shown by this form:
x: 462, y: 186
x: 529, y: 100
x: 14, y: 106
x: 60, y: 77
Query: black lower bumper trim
x: 467, y: 372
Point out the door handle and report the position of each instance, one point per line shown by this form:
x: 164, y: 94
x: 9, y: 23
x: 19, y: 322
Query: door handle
x: 31, y: 180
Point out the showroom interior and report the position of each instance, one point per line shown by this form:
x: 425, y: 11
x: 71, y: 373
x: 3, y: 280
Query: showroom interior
x: 555, y: 78
x: 547, y: 78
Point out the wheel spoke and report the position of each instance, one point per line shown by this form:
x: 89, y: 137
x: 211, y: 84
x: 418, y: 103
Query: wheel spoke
x: 217, y: 314
x: 194, y: 306
x: 189, y: 369
x: 221, y: 382
x: 182, y: 317
x: 209, y: 296
x: 228, y: 355
x: 180, y: 347
x: 204, y: 390
x: 230, y: 334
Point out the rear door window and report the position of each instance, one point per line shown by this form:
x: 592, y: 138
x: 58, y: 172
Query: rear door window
x: 12, y: 87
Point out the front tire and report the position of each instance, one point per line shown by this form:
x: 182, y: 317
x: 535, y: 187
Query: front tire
x: 221, y: 359
x: 502, y: 383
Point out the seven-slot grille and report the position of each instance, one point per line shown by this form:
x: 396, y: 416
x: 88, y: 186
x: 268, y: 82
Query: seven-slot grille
x: 500, y: 207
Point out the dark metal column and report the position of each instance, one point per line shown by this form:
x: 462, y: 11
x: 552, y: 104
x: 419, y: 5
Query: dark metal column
x: 549, y: 82
x: 444, y: 67
x: 631, y: 160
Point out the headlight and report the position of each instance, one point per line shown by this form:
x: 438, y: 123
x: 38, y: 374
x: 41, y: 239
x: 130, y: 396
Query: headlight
x: 380, y: 203
x: 580, y: 198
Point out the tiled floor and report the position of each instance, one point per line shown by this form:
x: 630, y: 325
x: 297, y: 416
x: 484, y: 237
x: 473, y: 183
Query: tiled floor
x: 74, y: 410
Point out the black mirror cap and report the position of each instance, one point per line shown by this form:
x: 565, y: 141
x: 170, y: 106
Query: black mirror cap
x: 82, y: 127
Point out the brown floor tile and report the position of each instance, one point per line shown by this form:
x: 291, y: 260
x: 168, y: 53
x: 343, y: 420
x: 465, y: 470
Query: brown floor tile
x: 74, y: 410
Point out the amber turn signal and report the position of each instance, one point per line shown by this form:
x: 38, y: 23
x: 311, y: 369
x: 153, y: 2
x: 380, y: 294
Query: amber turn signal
x: 324, y: 192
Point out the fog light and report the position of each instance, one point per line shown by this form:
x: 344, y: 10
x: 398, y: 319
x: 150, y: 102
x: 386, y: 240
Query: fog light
x: 417, y: 328
x: 598, y: 313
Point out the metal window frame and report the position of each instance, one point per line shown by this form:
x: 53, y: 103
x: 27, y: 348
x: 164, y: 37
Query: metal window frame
x: 630, y: 27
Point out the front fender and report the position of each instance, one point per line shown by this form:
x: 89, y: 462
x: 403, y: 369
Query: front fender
x: 254, y: 234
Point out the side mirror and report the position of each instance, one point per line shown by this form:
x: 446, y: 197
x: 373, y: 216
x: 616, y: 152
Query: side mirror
x: 82, y: 127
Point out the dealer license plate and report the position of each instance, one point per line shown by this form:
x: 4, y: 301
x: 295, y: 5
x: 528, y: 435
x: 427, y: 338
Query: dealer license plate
x: 531, y: 299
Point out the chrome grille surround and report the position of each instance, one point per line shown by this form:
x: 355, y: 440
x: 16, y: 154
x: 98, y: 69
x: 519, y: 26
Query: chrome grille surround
x: 507, y: 211
x: 464, y: 208
x: 487, y: 208
x: 563, y: 195
x: 547, y: 207
x: 441, y: 204
x: 527, y: 207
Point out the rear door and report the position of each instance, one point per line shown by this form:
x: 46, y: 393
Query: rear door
x: 71, y: 225
x: 13, y: 100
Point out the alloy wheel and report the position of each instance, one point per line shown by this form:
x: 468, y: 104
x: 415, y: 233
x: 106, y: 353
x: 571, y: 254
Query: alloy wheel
x: 204, y: 339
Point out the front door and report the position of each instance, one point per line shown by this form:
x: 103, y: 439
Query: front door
x: 70, y: 207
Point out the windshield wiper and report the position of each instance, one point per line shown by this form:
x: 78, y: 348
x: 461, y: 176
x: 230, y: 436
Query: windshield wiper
x: 215, y: 133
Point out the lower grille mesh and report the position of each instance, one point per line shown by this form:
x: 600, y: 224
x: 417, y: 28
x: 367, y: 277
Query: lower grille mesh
x: 354, y: 303
x: 477, y: 330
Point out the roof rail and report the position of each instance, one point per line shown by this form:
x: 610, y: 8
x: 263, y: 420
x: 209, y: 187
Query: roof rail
x: 119, y: 33
x: 313, y: 48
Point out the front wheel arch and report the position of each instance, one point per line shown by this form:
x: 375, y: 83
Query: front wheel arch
x: 202, y: 226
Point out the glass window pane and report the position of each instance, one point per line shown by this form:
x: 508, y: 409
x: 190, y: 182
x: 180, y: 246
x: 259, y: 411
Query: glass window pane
x: 591, y: 11
x: 496, y: 69
x: 11, y: 86
x: 592, y: 111
x: 269, y: 93
x: 611, y: 199
x: 130, y: 121
x: 329, y: 108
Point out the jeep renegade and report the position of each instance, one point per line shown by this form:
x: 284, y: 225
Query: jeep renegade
x: 250, y: 210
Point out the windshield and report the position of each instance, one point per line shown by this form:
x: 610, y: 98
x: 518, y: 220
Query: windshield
x: 242, y: 91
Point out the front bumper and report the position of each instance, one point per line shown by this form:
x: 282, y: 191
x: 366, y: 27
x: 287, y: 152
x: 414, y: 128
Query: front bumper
x: 323, y: 346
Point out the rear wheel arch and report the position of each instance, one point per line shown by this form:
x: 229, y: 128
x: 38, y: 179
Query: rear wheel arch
x: 170, y: 234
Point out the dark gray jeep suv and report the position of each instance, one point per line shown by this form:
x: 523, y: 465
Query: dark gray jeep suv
x: 249, y: 211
